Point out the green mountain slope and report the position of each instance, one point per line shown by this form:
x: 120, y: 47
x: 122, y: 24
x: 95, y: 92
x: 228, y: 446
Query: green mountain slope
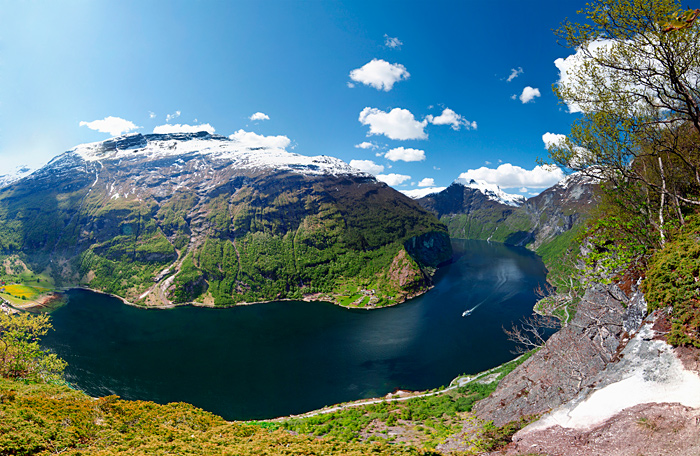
x: 161, y: 220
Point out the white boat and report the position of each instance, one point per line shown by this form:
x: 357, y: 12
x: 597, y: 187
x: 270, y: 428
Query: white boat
x: 467, y: 312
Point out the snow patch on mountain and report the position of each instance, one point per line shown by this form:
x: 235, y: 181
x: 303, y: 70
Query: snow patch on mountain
x: 18, y: 173
x: 493, y: 192
x: 417, y: 193
x: 215, y: 147
x: 591, y: 176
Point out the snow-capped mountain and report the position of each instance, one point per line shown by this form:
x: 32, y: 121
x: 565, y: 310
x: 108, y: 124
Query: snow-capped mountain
x: 213, y: 147
x: 477, y: 210
x: 169, y: 218
x: 493, y: 192
x: 18, y: 173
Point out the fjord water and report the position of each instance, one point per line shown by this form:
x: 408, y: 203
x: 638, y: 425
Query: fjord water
x: 281, y: 358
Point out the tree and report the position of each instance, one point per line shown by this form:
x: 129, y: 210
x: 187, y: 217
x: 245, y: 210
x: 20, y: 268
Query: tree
x: 21, y: 356
x: 531, y: 333
x: 635, y: 79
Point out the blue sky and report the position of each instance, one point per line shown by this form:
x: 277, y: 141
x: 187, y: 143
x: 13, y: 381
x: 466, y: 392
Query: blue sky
x: 421, y: 81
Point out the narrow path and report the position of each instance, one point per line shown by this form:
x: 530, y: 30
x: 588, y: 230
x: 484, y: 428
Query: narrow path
x: 461, y: 382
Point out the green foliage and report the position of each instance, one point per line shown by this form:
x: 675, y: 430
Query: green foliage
x: 438, y: 416
x: 672, y: 279
x: 46, y: 419
x: 495, y: 438
x: 21, y: 356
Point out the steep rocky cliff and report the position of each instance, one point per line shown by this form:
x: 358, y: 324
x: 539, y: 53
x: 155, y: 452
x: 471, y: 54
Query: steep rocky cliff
x: 162, y: 219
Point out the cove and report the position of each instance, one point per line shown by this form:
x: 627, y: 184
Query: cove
x: 281, y: 358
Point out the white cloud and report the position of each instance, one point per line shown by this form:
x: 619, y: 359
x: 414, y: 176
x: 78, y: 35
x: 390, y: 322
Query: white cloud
x: 529, y: 94
x: 449, y: 117
x: 427, y: 182
x: 367, y: 166
x: 115, y: 126
x: 395, y: 124
x: 393, y: 43
x: 367, y: 145
x: 511, y: 176
x: 552, y: 139
x: 487, y: 162
x: 259, y: 116
x: 253, y: 140
x: 151, y: 114
x: 380, y: 74
x: 523, y: 190
x: 172, y: 116
x: 393, y: 179
x: 407, y: 155
x: 184, y: 128
x: 514, y: 73
x: 421, y: 192
x: 351, y: 85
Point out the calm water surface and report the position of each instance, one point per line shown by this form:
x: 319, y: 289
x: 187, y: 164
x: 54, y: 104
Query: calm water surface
x: 281, y: 358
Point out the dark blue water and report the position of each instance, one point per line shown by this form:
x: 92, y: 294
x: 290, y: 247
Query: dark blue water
x: 280, y: 358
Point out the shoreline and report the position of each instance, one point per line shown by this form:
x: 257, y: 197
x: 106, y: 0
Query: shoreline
x: 305, y: 298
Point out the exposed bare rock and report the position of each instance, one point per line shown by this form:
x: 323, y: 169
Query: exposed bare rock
x: 648, y: 402
x: 568, y: 362
x: 646, y: 429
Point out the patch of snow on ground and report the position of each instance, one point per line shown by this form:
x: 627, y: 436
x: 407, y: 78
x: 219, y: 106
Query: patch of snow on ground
x: 654, y: 374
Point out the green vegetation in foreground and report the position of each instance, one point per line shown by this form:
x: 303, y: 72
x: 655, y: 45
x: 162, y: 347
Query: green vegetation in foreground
x: 42, y: 419
x: 672, y: 280
x: 424, y: 422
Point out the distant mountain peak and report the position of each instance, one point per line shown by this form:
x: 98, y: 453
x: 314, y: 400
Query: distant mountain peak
x: 492, y: 192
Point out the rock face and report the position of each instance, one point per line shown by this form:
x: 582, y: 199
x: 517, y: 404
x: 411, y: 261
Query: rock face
x: 648, y: 402
x: 162, y: 219
x: 569, y: 361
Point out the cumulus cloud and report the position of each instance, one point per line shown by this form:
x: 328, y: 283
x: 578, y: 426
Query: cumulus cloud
x: 407, y: 155
x: 514, y: 73
x: 380, y: 74
x: 449, y: 117
x: 172, y: 116
x: 259, y: 116
x: 392, y: 42
x: 366, y: 145
x: 367, y: 166
x: 552, y: 139
x: 252, y: 140
x: 183, y: 128
x: 427, y: 182
x: 115, y: 126
x: 529, y: 94
x: 151, y: 115
x: 395, y: 124
x: 393, y: 179
x: 511, y: 176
